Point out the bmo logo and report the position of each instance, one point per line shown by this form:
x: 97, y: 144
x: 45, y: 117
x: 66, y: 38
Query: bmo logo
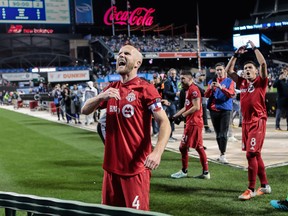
x: 128, y: 111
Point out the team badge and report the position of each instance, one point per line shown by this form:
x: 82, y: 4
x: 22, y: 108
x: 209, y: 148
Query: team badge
x: 131, y: 97
x: 128, y: 111
x: 195, y: 94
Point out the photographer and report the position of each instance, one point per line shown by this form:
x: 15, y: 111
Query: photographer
x: 282, y: 97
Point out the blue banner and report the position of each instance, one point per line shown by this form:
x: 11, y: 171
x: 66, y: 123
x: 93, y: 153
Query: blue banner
x: 84, y: 12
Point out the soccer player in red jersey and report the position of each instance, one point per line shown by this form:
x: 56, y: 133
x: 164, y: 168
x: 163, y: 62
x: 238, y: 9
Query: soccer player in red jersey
x: 192, y: 136
x: 129, y: 155
x: 252, y: 99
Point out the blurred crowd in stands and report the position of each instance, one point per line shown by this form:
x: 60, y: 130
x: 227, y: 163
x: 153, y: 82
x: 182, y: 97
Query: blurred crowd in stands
x: 145, y: 43
x: 164, y: 43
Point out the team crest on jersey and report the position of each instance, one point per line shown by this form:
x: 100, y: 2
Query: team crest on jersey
x: 128, y: 111
x: 187, y: 102
x: 195, y: 94
x: 131, y: 97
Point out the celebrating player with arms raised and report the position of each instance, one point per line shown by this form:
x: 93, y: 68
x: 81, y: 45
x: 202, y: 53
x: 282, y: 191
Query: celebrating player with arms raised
x: 252, y: 99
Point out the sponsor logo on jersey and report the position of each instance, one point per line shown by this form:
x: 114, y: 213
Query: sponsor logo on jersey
x: 113, y: 109
x: 251, y: 88
x: 128, y: 111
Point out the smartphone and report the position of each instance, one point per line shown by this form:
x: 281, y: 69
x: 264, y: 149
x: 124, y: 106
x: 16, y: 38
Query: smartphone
x: 247, y: 45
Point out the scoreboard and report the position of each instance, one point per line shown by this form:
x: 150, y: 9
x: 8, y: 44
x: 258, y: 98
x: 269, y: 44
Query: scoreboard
x: 35, y: 12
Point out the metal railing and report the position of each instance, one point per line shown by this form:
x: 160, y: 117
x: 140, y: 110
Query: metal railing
x: 44, y: 206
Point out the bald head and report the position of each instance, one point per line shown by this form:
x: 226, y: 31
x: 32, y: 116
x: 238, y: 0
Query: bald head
x: 129, y: 60
x: 135, y: 52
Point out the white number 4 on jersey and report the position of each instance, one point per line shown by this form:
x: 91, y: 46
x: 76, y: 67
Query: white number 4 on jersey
x: 136, y: 202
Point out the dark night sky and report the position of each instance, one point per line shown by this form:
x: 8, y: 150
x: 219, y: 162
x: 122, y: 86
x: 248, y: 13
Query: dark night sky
x: 216, y: 18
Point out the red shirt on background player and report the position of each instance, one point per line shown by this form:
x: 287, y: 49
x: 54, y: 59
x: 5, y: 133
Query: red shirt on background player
x: 129, y: 156
x: 192, y: 136
x: 252, y: 99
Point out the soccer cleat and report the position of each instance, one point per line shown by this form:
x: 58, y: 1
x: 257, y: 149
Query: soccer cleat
x: 171, y: 140
x: 248, y: 194
x: 280, y: 204
x: 222, y: 159
x: 179, y: 174
x: 232, y: 139
x: 155, y: 135
x: 203, y: 176
x: 261, y: 190
x: 208, y: 130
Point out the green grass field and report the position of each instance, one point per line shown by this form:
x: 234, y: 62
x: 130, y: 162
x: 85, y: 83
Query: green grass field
x: 47, y: 159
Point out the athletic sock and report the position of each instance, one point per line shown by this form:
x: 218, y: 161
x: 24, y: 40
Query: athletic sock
x: 184, y: 170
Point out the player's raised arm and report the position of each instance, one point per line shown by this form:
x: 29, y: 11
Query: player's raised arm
x: 231, y: 64
x: 263, y: 72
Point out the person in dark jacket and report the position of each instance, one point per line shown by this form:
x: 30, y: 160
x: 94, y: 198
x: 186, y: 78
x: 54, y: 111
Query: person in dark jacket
x: 171, y: 93
x: 282, y: 97
x: 199, y: 81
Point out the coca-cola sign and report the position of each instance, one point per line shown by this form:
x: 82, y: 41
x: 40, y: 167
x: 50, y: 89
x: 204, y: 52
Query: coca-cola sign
x: 141, y: 16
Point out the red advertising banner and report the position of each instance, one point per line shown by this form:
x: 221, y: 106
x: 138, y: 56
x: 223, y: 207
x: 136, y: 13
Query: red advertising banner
x: 177, y: 55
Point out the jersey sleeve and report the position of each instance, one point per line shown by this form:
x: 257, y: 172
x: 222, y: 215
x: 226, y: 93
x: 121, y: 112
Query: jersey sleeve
x: 152, y: 98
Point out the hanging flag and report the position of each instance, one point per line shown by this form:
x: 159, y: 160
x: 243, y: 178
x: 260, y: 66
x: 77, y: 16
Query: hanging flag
x: 128, y: 5
x: 128, y: 21
x: 113, y: 2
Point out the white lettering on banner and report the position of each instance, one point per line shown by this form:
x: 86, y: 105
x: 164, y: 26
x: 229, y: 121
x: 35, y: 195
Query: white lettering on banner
x: 17, y: 76
x: 67, y: 76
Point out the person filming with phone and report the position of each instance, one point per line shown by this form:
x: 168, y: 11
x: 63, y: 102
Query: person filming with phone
x: 220, y: 93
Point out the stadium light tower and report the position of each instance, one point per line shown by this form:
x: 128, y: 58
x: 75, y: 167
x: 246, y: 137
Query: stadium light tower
x: 113, y: 24
x: 198, y: 39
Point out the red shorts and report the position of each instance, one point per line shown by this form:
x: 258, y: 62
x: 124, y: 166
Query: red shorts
x: 192, y: 136
x: 126, y: 191
x: 253, y: 135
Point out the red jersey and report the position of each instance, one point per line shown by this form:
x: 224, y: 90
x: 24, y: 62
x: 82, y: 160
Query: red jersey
x: 128, y: 126
x: 252, y: 99
x: 196, y: 117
